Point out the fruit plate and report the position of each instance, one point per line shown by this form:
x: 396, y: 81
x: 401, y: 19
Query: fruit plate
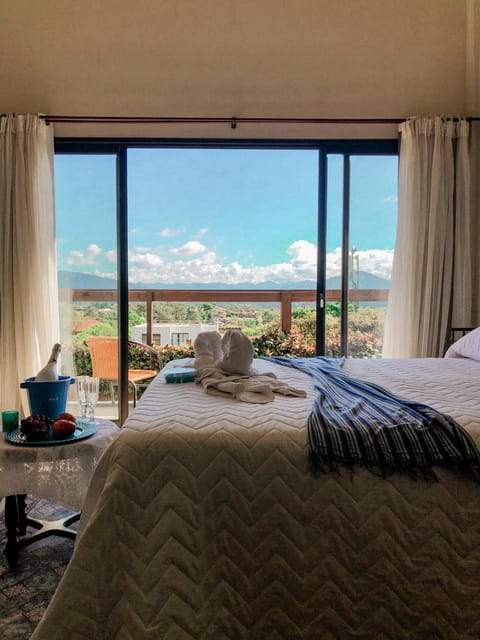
x: 17, y: 437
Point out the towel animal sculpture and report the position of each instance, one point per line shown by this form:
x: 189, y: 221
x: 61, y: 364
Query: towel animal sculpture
x: 224, y: 368
x: 208, y: 349
x: 237, y: 353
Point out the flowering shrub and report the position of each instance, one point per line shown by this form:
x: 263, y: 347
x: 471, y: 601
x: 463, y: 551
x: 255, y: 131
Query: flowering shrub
x: 142, y: 357
x: 82, y: 361
x: 277, y: 343
x: 365, y: 336
x: 365, y: 333
x: 170, y: 352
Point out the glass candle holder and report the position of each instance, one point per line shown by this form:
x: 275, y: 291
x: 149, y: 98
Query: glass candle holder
x: 9, y: 421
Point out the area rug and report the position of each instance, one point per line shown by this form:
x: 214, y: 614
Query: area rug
x: 26, y: 590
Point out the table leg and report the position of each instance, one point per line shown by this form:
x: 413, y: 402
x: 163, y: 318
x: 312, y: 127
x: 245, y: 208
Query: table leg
x: 21, y: 514
x: 16, y: 522
x: 15, y: 525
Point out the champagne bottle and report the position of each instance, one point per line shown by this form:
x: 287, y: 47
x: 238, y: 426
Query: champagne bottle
x: 49, y: 373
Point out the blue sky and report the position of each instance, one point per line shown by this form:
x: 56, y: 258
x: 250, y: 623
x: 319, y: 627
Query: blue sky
x: 228, y: 215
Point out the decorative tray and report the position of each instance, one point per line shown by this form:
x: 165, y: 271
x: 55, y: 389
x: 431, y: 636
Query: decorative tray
x: 17, y: 437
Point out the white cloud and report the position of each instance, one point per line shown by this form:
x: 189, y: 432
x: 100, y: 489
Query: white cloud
x: 376, y: 261
x: 194, y: 263
x: 111, y: 256
x: 334, y: 263
x: 87, y: 258
x: 207, y: 268
x: 190, y: 248
x: 170, y: 232
x: 141, y: 260
x: 303, y: 252
x: 143, y: 249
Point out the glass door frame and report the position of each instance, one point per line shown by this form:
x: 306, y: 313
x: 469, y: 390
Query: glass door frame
x: 345, y: 148
x: 79, y: 146
x: 120, y: 147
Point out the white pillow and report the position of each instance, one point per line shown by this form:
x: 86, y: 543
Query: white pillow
x: 466, y: 347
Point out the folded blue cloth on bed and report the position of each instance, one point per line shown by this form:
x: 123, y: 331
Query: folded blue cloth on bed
x: 357, y: 422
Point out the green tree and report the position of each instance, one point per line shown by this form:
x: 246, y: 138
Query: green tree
x: 333, y: 309
x: 163, y: 312
x: 134, y: 319
x: 192, y: 314
x: 206, y: 310
x: 302, y: 312
x: 269, y: 315
x: 101, y: 329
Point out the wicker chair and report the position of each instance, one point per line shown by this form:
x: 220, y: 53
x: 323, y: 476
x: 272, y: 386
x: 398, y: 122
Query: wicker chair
x: 104, y: 355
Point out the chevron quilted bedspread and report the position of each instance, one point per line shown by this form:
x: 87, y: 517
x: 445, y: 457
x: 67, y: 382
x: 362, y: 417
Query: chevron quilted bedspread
x: 202, y: 521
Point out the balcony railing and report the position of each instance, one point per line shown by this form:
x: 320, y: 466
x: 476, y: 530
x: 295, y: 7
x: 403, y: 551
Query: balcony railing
x: 285, y: 297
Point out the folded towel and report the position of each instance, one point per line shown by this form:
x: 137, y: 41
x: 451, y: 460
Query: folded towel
x: 256, y: 388
x: 208, y: 349
x: 237, y: 353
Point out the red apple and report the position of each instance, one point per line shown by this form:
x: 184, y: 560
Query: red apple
x: 63, y: 428
x: 67, y: 416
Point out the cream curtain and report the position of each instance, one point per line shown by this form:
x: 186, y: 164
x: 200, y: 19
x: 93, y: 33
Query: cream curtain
x: 29, y: 320
x: 468, y: 314
x: 432, y: 268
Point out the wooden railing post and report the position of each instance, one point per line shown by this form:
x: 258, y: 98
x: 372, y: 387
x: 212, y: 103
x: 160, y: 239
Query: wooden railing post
x: 286, y: 311
x: 150, y: 318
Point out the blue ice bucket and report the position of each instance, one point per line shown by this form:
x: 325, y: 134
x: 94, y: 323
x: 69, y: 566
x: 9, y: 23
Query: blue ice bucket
x: 48, y: 398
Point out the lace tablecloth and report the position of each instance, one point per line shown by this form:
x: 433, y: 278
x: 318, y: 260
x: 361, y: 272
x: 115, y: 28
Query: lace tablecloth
x: 60, y: 473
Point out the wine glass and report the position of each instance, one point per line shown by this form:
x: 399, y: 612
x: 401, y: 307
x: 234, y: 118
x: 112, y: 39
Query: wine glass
x: 81, y: 387
x: 92, y: 392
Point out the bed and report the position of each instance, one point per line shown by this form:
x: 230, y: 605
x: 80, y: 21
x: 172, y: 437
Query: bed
x: 203, y: 521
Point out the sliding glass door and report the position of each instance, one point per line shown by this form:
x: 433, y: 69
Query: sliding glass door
x: 86, y: 227
x: 221, y: 238
x: 292, y: 243
x: 360, y: 222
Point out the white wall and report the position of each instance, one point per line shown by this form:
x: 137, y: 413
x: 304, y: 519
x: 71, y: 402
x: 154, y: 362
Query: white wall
x: 165, y: 330
x: 264, y: 58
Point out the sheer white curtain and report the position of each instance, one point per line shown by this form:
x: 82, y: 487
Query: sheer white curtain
x: 432, y: 267
x: 29, y: 321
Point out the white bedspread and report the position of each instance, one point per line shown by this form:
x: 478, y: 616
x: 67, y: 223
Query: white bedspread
x: 202, y: 521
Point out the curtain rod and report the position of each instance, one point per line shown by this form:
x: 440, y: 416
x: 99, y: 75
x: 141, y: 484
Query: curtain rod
x: 232, y: 120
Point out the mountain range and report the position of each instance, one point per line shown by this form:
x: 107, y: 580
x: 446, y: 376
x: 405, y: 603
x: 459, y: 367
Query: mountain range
x: 78, y: 280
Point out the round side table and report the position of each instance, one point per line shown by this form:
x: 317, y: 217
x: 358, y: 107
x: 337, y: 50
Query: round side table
x: 57, y: 472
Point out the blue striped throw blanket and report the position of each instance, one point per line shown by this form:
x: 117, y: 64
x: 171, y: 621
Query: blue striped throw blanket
x: 354, y: 422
